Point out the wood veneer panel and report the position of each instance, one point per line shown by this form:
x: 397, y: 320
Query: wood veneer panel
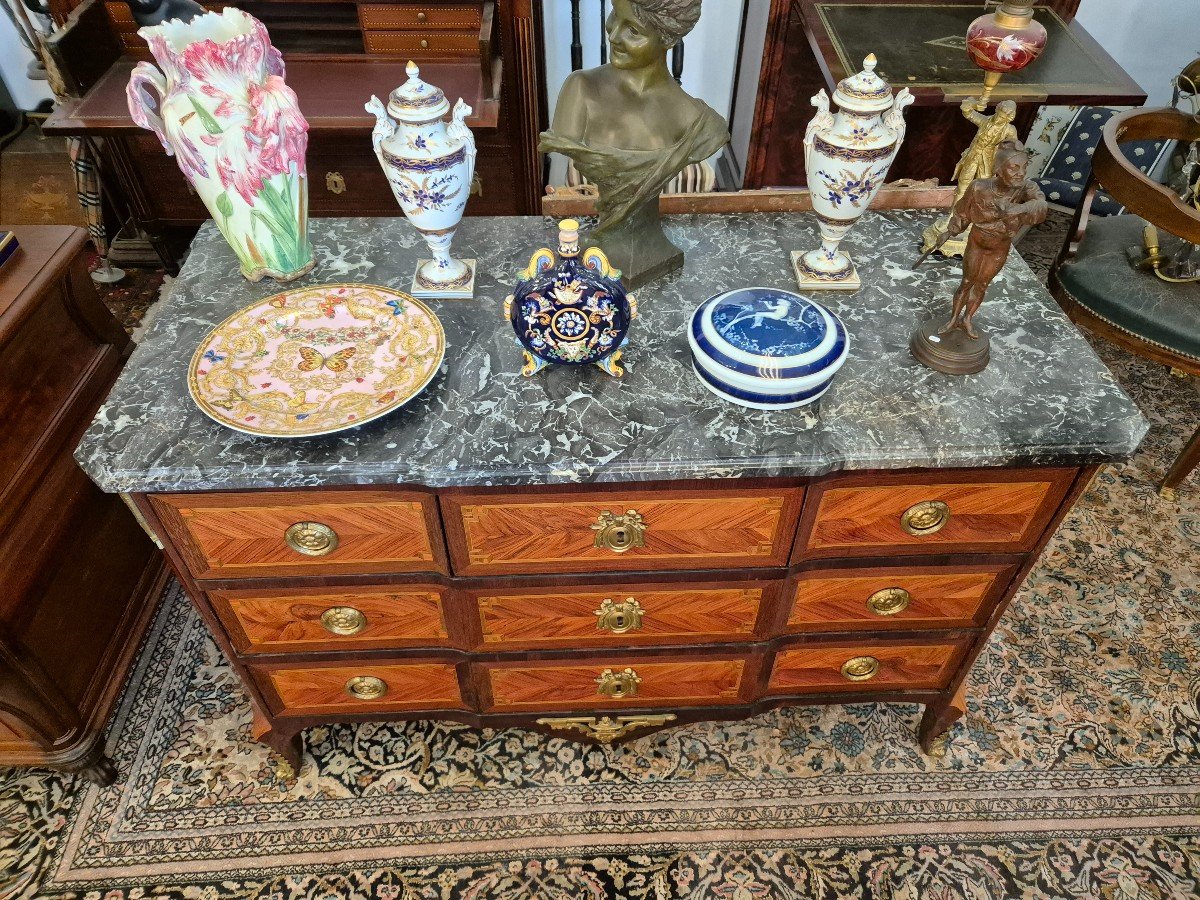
x: 561, y: 686
x: 322, y: 689
x: 566, y: 617
x: 941, y: 597
x: 1002, y: 511
x: 289, y: 620
x: 425, y: 43
x: 457, y: 16
x: 229, y: 535
x: 497, y: 534
x: 819, y: 668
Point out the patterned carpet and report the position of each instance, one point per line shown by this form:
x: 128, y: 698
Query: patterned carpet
x: 1075, y: 773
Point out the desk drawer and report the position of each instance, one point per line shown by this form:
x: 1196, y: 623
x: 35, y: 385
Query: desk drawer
x: 285, y: 533
x: 449, y: 16
x: 866, y: 667
x: 909, y: 597
x: 422, y: 44
x: 367, y: 688
x: 614, y: 683
x: 622, y: 614
x: 600, y: 531
x: 935, y: 513
x: 303, y: 620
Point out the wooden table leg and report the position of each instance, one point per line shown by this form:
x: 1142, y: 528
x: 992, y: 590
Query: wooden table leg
x: 1187, y: 460
x: 938, y: 718
x: 288, y: 744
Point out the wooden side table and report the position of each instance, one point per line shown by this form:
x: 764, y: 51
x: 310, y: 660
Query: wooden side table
x: 81, y: 579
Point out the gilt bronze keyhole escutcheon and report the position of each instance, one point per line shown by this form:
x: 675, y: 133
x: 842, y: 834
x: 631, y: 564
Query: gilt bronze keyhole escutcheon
x: 619, y: 533
x: 311, y: 538
x: 617, y: 685
x: 619, y: 617
x: 926, y: 517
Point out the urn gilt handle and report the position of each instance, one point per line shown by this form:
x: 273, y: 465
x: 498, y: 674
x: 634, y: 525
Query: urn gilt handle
x: 617, y: 685
x: 366, y: 687
x: 619, y: 533
x: 619, y: 617
x: 860, y: 668
x: 925, y: 518
x: 343, y: 620
x: 889, y: 601
x: 311, y: 538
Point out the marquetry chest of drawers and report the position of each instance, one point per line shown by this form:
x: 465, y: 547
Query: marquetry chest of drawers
x: 601, y: 558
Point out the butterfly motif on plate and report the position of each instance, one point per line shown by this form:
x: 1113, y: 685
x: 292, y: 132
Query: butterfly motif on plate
x: 311, y: 360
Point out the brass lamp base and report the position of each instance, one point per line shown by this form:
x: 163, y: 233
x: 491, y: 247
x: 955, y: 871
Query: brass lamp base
x: 955, y: 352
x: 956, y: 246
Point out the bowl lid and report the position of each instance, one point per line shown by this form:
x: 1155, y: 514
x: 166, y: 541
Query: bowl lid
x: 864, y: 92
x: 416, y: 100
x: 768, y: 332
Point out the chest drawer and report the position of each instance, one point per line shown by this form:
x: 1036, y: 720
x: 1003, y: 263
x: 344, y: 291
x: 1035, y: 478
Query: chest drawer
x: 938, y: 513
x: 590, y: 532
x: 312, y: 619
x: 895, y: 597
x: 284, y: 533
x: 368, y: 688
x: 618, y: 614
x: 865, y: 667
x: 614, y: 683
x: 448, y: 16
x: 422, y: 44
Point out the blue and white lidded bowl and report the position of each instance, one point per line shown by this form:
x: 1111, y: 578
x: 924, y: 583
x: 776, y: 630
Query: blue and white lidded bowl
x: 766, y: 348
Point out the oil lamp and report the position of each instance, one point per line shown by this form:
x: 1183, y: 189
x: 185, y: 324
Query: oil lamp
x: 1004, y: 41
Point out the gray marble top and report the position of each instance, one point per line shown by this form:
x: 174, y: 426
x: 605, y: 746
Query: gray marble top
x: 1045, y: 398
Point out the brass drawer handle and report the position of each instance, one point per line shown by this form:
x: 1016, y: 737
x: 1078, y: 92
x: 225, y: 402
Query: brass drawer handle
x: 617, y: 685
x: 926, y: 517
x: 889, y: 601
x: 424, y: 44
x: 421, y: 17
x: 619, y: 533
x: 366, y: 687
x: 343, y: 620
x: 311, y: 538
x: 619, y: 617
x: 606, y: 729
x: 860, y: 668
x: 335, y: 183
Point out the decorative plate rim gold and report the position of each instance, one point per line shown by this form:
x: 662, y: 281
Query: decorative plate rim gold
x: 198, y: 354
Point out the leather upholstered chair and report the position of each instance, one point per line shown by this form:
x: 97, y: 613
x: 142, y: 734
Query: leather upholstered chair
x: 1094, y: 280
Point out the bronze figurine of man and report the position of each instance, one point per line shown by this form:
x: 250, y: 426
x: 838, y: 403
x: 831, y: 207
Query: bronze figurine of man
x: 995, y: 209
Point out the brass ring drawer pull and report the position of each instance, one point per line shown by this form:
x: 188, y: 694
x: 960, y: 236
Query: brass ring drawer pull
x: 860, y: 668
x: 366, y: 687
x: 619, y: 617
x: 424, y: 44
x: 889, y: 601
x: 619, y: 533
x: 421, y: 17
x: 617, y: 685
x: 926, y: 517
x: 343, y: 620
x: 311, y: 538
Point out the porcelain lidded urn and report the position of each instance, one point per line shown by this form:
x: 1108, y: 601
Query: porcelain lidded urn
x: 847, y: 157
x: 572, y: 312
x: 429, y: 163
x: 218, y: 103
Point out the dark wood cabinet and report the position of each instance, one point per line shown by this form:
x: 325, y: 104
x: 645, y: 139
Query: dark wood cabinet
x: 489, y: 53
x: 814, y: 44
x: 81, y: 578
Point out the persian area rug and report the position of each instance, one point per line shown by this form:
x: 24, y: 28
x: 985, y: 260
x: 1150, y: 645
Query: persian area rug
x: 1075, y: 773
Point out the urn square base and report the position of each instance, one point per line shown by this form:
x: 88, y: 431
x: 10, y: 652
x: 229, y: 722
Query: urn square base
x: 808, y: 283
x: 422, y: 290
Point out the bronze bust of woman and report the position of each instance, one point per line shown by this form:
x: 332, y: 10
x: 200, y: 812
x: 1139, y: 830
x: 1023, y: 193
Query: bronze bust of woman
x: 631, y: 128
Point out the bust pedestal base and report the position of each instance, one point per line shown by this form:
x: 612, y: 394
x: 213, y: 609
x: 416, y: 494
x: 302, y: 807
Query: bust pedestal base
x: 955, y: 353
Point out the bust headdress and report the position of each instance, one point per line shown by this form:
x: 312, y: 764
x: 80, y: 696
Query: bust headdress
x: 671, y: 20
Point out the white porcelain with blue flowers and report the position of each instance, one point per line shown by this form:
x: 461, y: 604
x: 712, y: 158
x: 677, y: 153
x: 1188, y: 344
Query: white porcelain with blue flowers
x: 766, y: 348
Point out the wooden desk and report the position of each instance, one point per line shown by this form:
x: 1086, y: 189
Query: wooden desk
x: 81, y: 579
x: 814, y: 44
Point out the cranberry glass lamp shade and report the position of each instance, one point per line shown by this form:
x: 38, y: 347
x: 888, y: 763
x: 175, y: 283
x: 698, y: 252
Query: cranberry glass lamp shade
x: 1005, y: 41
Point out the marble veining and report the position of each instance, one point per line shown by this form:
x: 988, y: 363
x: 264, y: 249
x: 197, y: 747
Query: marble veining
x: 1046, y: 398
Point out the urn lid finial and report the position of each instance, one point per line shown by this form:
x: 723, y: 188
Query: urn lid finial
x: 568, y: 237
x: 865, y: 92
x: 416, y: 101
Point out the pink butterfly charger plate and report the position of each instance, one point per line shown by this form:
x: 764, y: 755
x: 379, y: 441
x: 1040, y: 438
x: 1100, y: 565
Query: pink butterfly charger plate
x: 316, y: 360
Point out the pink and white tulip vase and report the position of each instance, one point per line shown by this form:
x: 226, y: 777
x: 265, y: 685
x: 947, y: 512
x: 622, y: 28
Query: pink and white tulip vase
x: 218, y: 104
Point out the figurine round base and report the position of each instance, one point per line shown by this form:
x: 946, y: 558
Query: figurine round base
x: 955, y: 352
x: 461, y: 288
x: 815, y: 280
